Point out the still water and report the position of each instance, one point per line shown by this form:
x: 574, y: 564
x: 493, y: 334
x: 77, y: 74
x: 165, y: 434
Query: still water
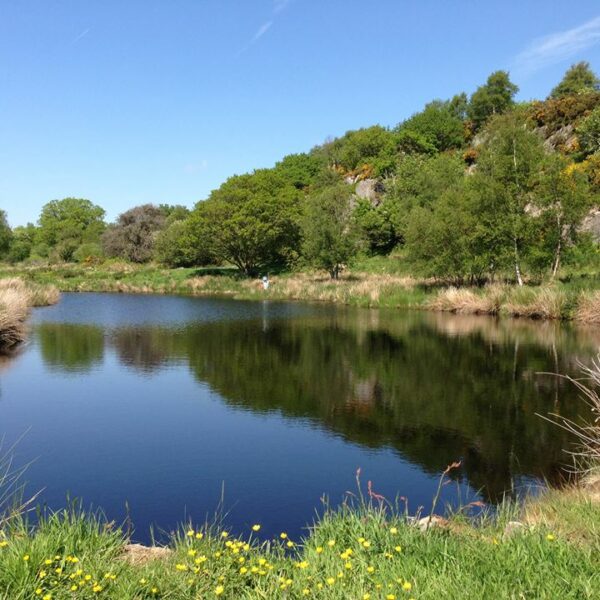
x: 156, y: 407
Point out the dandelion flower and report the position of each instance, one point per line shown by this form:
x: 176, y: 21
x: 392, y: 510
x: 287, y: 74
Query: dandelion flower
x: 393, y: 530
x: 550, y: 537
x: 319, y: 549
x: 26, y: 557
x: 407, y: 586
x: 330, y: 580
x: 256, y: 527
x: 224, y: 534
x: 219, y: 590
x: 331, y: 543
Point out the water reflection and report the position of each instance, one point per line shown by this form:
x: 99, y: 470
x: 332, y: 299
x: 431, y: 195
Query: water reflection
x: 433, y: 387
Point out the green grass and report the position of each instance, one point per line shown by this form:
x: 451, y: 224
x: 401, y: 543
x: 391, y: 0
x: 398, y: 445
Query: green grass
x: 354, y: 552
x: 372, y: 282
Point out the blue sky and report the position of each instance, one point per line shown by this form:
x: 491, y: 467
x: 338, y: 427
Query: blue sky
x: 133, y: 101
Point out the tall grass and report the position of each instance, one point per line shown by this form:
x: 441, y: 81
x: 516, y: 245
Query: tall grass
x: 16, y: 299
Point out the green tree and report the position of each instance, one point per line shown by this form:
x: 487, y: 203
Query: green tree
x: 562, y: 199
x: 440, y: 241
x: 439, y: 124
x: 492, y: 98
x: 178, y: 246
x: 174, y: 212
x: 22, y: 243
x: 65, y: 224
x: 372, y: 148
x: 418, y: 182
x: 5, y: 234
x: 505, y: 184
x: 134, y: 234
x: 578, y: 78
x: 588, y: 133
x: 376, y: 226
x: 250, y: 221
x: 329, y: 236
x: 301, y: 170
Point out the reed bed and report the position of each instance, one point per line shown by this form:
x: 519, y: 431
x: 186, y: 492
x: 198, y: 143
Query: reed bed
x: 588, y: 309
x: 16, y: 299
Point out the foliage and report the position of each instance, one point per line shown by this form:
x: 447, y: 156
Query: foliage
x: 376, y: 226
x: 492, y: 98
x: 418, y: 182
x: 177, y: 246
x: 5, y: 234
x: 23, y: 240
x: 88, y: 252
x: 174, y: 212
x: 373, y: 146
x: 578, y: 78
x: 438, y: 124
x: 329, y: 237
x: 588, y: 132
x: 555, y: 113
x: 66, y: 224
x: 440, y: 241
x: 301, y: 170
x: 133, y: 236
x: 250, y: 221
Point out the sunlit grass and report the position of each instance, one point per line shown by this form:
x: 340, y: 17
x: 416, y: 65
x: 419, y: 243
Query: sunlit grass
x: 361, y: 551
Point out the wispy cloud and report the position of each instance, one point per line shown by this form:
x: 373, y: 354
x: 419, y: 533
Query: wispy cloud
x: 278, y: 7
x: 80, y: 36
x: 557, y: 47
x: 261, y: 31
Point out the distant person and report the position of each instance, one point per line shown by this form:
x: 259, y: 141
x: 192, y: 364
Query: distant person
x: 265, y: 282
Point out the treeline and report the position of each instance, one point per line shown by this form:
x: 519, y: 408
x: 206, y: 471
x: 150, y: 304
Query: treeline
x: 469, y: 189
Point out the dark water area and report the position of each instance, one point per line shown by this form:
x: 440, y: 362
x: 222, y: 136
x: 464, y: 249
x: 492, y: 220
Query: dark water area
x: 152, y: 407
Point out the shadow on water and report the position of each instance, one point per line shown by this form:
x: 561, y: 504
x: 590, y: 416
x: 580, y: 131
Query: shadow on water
x: 433, y: 387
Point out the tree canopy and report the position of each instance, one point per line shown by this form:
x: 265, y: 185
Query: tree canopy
x: 578, y: 78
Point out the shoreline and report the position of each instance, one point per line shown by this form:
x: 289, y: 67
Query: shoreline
x: 557, y: 301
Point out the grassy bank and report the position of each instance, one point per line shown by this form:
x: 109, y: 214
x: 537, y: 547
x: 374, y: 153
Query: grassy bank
x: 376, y: 287
x: 546, y: 548
x: 16, y: 299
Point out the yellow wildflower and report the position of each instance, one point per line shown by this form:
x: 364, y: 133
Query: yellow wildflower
x: 393, y: 530
x: 407, y: 586
x: 256, y: 527
x: 219, y: 590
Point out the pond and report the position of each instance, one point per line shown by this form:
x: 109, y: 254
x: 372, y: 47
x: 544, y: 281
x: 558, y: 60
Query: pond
x: 161, y: 409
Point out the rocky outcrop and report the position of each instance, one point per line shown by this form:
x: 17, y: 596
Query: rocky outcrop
x: 591, y: 224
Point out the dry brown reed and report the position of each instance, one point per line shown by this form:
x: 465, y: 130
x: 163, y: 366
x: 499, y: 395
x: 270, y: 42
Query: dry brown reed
x: 543, y: 303
x: 486, y: 301
x: 588, y: 307
x: 587, y: 433
x: 16, y: 299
